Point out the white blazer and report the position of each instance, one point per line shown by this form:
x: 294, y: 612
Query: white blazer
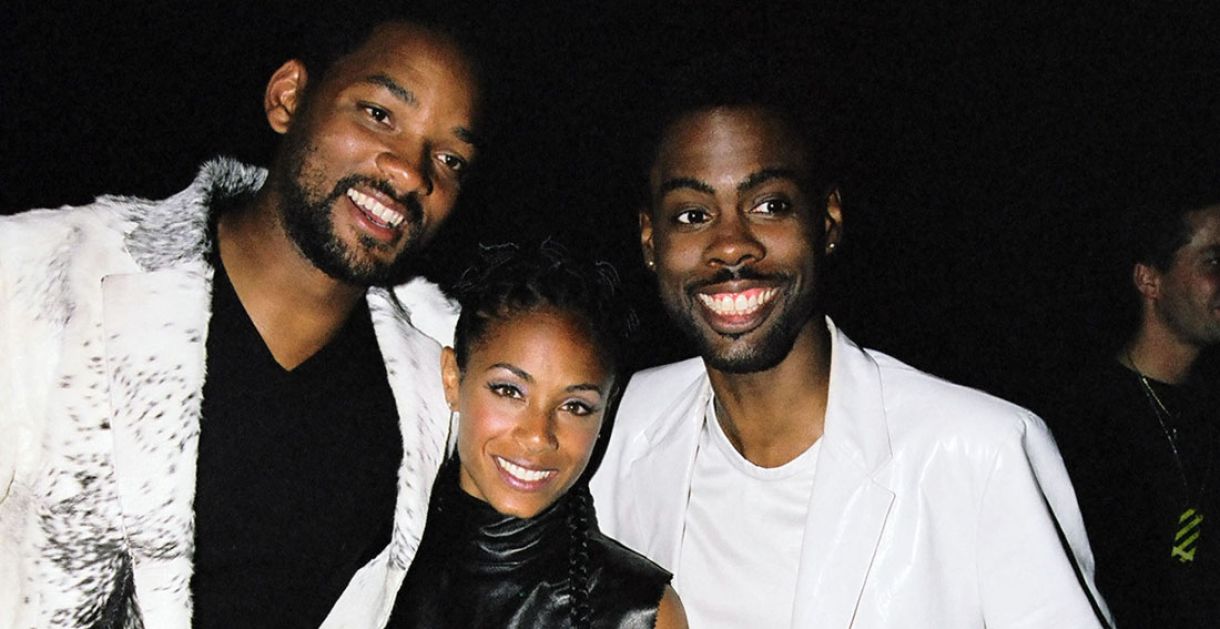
x: 933, y: 505
x: 104, y: 314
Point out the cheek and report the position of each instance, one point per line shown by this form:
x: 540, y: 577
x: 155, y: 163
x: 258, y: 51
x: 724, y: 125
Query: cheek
x: 578, y: 441
x: 342, y: 144
x: 481, y: 421
x: 1211, y: 283
x: 439, y: 205
x: 678, y: 250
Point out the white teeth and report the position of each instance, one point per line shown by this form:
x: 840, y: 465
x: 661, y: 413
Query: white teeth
x: 739, y: 304
x: 523, y: 474
x: 374, y: 207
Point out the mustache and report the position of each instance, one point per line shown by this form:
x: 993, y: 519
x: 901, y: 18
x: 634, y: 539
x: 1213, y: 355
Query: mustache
x: 410, y: 201
x: 731, y: 274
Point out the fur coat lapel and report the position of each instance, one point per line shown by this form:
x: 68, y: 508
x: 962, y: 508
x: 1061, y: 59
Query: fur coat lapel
x: 155, y: 324
x: 142, y: 298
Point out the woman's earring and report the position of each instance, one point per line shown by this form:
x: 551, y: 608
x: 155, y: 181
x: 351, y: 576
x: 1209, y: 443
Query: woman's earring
x: 454, y: 419
x: 652, y: 265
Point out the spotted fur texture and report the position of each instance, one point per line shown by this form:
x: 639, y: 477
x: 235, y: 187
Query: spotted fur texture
x: 103, y: 319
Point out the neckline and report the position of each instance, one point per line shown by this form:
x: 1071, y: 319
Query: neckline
x: 487, y: 540
x: 715, y: 433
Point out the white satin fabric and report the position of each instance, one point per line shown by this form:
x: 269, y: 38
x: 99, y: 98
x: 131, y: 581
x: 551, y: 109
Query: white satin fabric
x: 933, y: 505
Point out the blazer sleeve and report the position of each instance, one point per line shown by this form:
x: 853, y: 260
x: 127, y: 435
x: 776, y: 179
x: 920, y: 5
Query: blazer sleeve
x: 8, y: 446
x: 1034, y: 562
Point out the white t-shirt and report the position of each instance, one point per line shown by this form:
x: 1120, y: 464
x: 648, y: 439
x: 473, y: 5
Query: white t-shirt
x: 741, y: 545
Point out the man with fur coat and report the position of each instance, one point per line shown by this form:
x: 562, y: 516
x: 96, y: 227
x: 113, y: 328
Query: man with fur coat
x: 214, y: 410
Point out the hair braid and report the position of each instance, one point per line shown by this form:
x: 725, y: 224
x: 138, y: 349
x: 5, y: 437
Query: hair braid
x: 578, y: 557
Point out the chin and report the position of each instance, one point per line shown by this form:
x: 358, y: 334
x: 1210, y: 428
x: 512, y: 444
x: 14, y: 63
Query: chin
x: 741, y: 355
x: 518, y: 510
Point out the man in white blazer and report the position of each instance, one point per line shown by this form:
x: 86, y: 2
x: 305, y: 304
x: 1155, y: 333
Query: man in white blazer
x: 108, y: 317
x: 790, y: 478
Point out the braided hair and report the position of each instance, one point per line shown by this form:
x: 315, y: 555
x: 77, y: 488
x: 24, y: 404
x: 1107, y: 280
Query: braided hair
x: 514, y: 280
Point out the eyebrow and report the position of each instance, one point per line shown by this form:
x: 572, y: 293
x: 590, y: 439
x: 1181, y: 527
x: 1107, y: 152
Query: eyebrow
x: 517, y: 371
x: 408, y: 97
x: 468, y: 136
x: 685, y: 182
x: 524, y: 375
x: 585, y: 387
x: 765, y: 175
x: 752, y: 181
x: 401, y: 93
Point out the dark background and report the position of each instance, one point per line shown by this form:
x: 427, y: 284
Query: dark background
x: 991, y: 143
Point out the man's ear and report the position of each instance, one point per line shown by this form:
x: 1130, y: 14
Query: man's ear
x: 284, y: 94
x: 451, y: 377
x: 650, y: 259
x: 833, y: 228
x: 1147, y: 280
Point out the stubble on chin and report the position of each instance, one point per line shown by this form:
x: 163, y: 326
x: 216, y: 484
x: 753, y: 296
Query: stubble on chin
x: 749, y: 352
x: 307, y: 215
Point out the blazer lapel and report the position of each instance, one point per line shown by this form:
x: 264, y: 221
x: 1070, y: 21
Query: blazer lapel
x: 412, y: 362
x: 847, y: 508
x: 155, y: 328
x: 661, y: 481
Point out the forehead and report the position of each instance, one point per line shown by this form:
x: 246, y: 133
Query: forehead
x: 722, y: 146
x: 1205, y: 226
x: 539, y: 327
x: 429, y: 63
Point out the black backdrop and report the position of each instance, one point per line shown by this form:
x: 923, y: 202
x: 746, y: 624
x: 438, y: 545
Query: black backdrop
x: 992, y: 142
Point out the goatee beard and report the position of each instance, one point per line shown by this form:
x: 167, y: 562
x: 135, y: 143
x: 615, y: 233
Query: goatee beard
x: 309, y: 223
x: 767, y: 350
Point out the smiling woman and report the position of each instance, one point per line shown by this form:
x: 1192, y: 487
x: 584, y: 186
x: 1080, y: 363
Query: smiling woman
x: 512, y: 540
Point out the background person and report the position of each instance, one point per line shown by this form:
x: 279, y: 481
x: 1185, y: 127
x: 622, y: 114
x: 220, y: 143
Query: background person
x: 1139, y: 427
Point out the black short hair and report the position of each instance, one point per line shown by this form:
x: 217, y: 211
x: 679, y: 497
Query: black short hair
x: 1149, y: 231
x: 331, y: 30
x: 1155, y: 230
x: 741, y: 78
x: 512, y: 280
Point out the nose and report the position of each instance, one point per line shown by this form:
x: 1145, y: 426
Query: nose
x: 536, y: 432
x: 734, y: 243
x: 406, y: 174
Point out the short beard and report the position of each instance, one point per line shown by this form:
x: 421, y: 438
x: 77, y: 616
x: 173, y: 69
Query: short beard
x: 307, y: 217
x: 767, y: 352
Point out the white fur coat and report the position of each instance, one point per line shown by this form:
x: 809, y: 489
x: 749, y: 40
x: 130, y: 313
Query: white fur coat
x: 103, y: 316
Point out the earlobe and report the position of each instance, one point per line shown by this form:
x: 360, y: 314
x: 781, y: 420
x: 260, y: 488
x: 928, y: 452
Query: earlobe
x: 451, y: 377
x: 833, y: 229
x: 646, y: 240
x: 283, y: 95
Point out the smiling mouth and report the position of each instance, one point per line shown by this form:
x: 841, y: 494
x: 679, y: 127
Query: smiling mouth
x: 522, y: 474
x: 742, y: 304
x: 376, y: 211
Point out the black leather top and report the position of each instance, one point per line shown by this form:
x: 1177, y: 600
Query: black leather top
x: 478, y: 568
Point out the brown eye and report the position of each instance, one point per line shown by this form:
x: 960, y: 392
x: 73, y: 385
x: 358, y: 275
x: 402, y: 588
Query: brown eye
x: 771, y: 206
x: 577, y: 408
x: 453, y: 162
x: 692, y: 216
x: 377, y: 114
x: 504, y: 390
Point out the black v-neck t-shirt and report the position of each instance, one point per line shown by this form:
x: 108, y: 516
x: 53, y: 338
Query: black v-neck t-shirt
x: 297, y: 471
